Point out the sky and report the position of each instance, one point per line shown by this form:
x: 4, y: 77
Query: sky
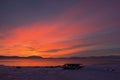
x: 59, y: 28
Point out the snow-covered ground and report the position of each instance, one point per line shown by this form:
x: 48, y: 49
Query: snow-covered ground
x: 93, y: 72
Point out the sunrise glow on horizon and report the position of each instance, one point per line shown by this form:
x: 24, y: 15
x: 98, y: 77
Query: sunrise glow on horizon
x: 58, y: 28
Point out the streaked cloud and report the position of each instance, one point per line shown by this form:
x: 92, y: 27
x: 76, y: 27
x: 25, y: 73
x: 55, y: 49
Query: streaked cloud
x: 59, y: 27
x: 96, y: 52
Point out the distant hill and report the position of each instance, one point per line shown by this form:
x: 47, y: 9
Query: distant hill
x: 98, y: 57
x: 73, y: 57
x: 10, y: 57
x: 34, y: 57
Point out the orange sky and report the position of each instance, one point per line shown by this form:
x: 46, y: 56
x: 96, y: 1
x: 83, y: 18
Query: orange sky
x: 44, y: 41
x: 60, y: 29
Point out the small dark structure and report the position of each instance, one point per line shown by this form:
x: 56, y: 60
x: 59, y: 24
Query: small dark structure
x: 18, y: 67
x: 72, y: 66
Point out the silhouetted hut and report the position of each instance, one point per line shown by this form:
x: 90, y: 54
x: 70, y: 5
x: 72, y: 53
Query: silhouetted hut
x: 72, y: 66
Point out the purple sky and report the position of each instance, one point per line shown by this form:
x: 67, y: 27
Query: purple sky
x: 60, y: 28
